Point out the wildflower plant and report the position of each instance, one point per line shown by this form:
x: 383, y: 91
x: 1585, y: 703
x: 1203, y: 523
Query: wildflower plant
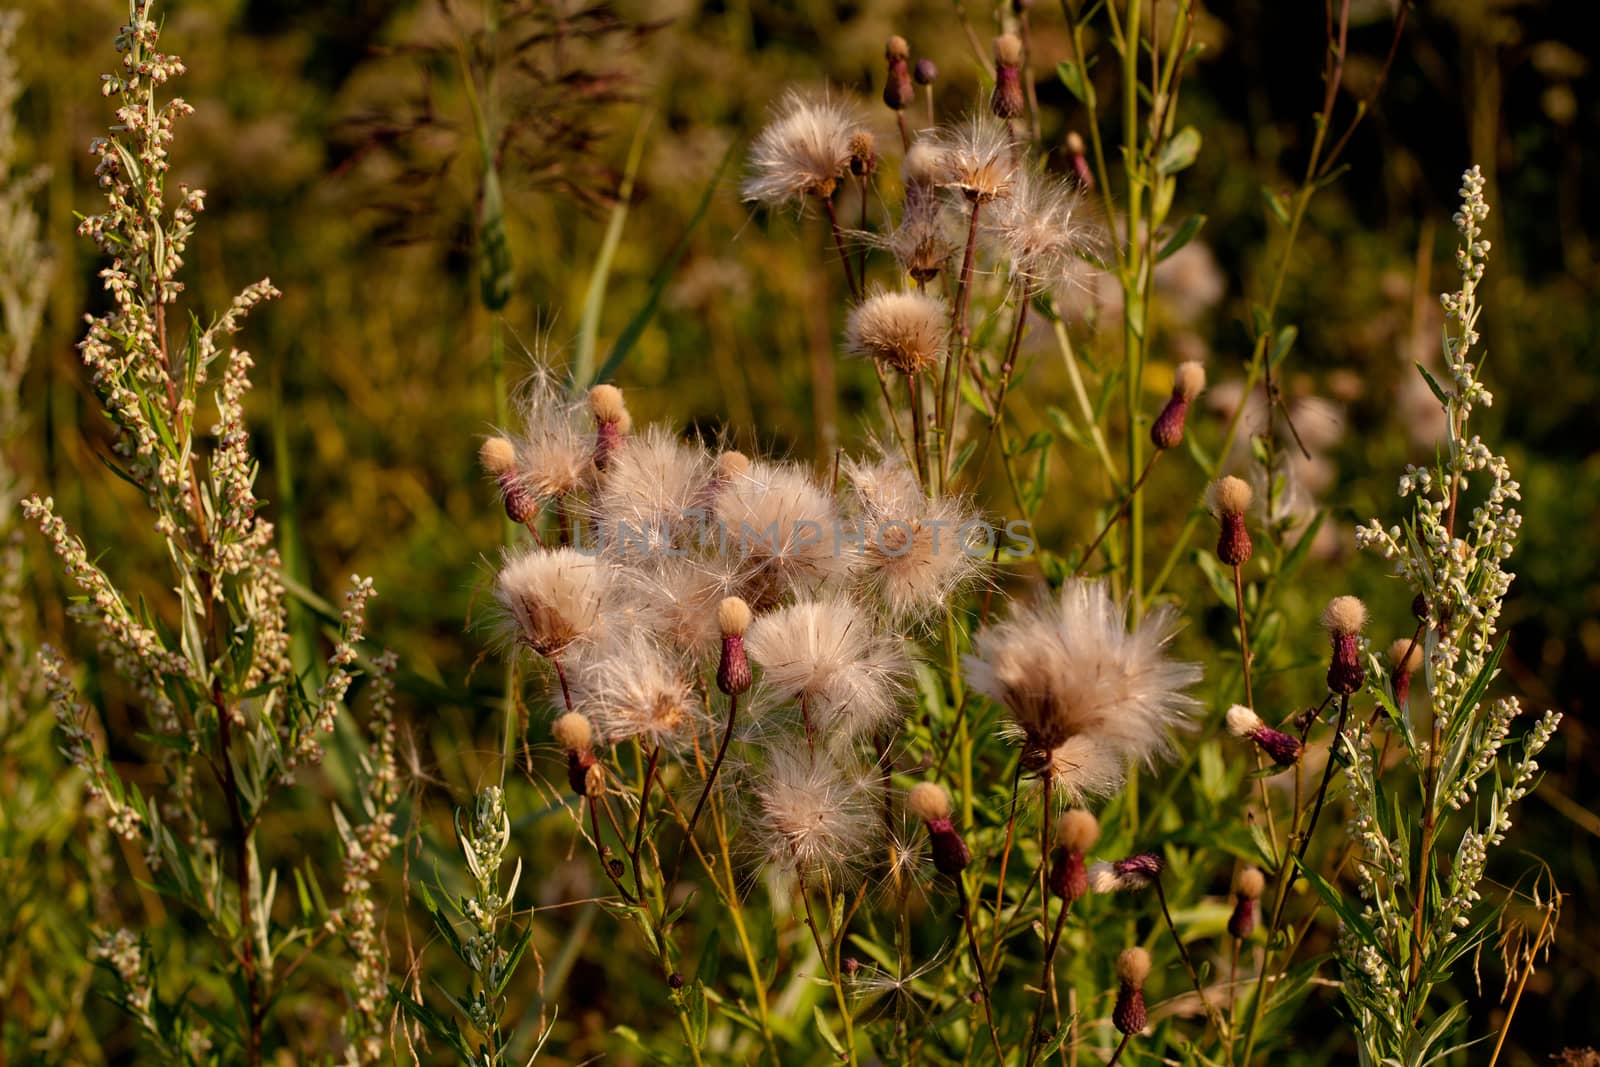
x: 229, y: 719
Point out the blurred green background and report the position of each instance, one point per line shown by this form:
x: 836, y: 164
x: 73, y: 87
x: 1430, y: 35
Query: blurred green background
x: 338, y: 147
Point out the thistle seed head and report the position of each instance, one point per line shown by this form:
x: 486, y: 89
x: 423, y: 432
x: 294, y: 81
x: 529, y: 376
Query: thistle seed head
x: 1133, y: 968
x: 1007, y: 101
x: 572, y: 732
x: 733, y: 668
x: 1229, y: 498
x: 802, y: 153
x: 906, y: 331
x: 898, y: 92
x: 1344, y: 618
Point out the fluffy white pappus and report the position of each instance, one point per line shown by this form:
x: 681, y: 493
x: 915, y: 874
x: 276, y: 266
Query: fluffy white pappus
x: 1189, y: 379
x: 1040, y: 231
x: 631, y: 688
x: 1242, y: 722
x: 779, y: 522
x: 676, y: 598
x: 652, y: 497
x: 916, y: 553
x: 814, y: 813
x: 802, y: 152
x: 978, y: 159
x: 903, y: 330
x: 928, y: 800
x: 827, y: 655
x: 1082, y: 768
x: 1229, y: 495
x: 555, y: 450
x: 1344, y: 615
x: 553, y: 597
x: 1069, y: 668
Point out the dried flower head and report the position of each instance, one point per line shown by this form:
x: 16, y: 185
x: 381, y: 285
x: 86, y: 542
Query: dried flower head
x: 784, y: 530
x: 1283, y: 749
x: 863, y: 154
x: 925, y: 238
x: 553, y: 596
x: 827, y: 655
x: 1126, y: 875
x: 1039, y: 231
x: 1007, y: 100
x: 631, y: 688
x: 555, y: 454
x: 979, y: 160
x: 814, y: 812
x: 1084, y: 766
x: 1187, y: 381
x: 803, y: 152
x: 903, y: 330
x: 917, y: 553
x: 1229, y: 498
x: 1069, y: 668
x: 674, y: 596
x: 652, y: 496
x: 572, y: 732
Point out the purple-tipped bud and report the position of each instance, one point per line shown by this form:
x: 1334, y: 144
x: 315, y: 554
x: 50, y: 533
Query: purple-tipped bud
x: 1007, y: 101
x: 1230, y: 497
x: 733, y: 669
x: 1187, y: 381
x: 578, y: 764
x: 1076, y: 153
x: 1344, y: 617
x: 1167, y: 431
x: 926, y: 72
x: 1069, y: 878
x: 898, y: 92
x: 1243, y: 919
x: 1283, y: 749
x: 611, y: 422
x: 950, y: 852
x: 1133, y: 967
x: 499, y: 457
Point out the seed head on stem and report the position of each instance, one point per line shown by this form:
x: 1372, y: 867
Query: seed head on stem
x: 1344, y: 618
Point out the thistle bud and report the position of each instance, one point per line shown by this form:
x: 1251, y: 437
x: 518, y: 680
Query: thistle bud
x: 1007, y: 101
x: 1076, y: 832
x: 863, y: 154
x: 926, y: 72
x: 1344, y: 617
x: 1247, y: 889
x: 499, y: 457
x: 1080, y: 160
x: 897, y: 90
x: 1230, y: 497
x: 1283, y: 749
x: 1139, y: 871
x: 576, y: 737
x: 733, y: 670
x: 611, y: 422
x: 1133, y: 967
x: 1405, y: 656
x: 929, y: 802
x: 1187, y: 381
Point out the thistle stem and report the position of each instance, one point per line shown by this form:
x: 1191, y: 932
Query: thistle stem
x: 1188, y: 964
x: 722, y: 751
x: 1327, y: 776
x: 977, y: 963
x: 830, y: 964
x: 838, y: 243
x: 1116, y: 516
x: 644, y: 811
x: 1117, y: 1055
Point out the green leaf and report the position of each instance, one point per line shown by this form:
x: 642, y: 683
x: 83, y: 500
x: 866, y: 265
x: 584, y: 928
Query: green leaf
x: 1185, y: 233
x: 1071, y: 76
x: 1438, y: 392
x: 1180, y: 152
x: 1336, y: 903
x: 1276, y: 205
x: 827, y: 1031
x: 595, y: 297
x: 1282, y: 343
x: 1066, y: 427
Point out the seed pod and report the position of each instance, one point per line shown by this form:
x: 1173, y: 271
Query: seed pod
x: 926, y: 72
x: 611, y: 422
x: 499, y: 457
x: 1283, y: 749
x: 1405, y: 656
x: 929, y: 802
x: 1247, y: 890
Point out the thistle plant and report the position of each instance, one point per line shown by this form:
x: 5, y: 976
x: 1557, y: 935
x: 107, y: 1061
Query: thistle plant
x: 226, y: 718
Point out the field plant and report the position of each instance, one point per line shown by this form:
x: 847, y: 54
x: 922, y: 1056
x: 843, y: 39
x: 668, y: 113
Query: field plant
x: 935, y: 748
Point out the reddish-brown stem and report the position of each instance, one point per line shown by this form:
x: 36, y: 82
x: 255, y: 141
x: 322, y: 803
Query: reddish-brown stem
x: 716, y: 765
x: 1327, y: 776
x: 1244, y: 634
x: 977, y: 962
x: 1116, y: 516
x: 838, y: 243
x: 1117, y: 1055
